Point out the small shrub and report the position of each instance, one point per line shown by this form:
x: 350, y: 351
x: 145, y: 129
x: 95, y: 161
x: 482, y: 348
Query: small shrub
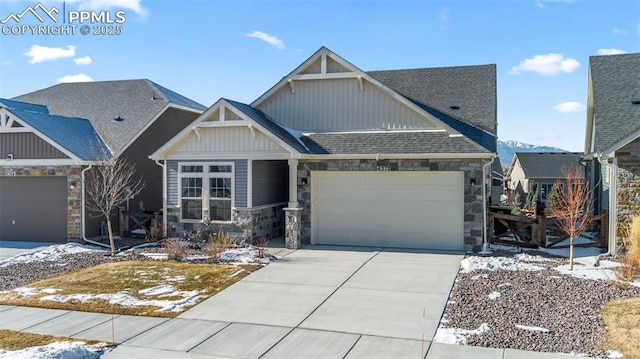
x: 217, y: 244
x: 155, y: 233
x: 262, y: 243
x: 554, y: 201
x: 176, y: 248
x: 630, y: 267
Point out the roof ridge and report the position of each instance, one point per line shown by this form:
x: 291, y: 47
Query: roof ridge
x: 434, y: 67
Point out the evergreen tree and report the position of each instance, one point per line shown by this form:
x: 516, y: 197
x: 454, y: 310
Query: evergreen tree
x: 554, y: 200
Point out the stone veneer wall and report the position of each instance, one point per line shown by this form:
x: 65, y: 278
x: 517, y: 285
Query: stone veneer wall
x: 473, y: 206
x: 264, y: 221
x: 628, y: 196
x: 74, y: 194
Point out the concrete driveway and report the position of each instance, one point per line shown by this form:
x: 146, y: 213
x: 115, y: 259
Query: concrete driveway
x: 318, y: 302
x: 9, y: 249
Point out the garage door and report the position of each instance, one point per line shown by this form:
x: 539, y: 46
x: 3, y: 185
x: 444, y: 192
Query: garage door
x: 33, y: 209
x: 391, y: 209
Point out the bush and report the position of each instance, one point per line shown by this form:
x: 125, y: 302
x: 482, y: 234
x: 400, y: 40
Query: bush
x: 155, y: 233
x: 176, y: 248
x: 554, y: 200
x: 218, y: 243
x: 631, y: 258
x: 262, y: 243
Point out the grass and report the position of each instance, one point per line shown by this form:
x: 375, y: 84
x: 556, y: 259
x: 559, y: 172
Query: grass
x: 12, y: 340
x: 622, y: 321
x: 130, y: 278
x: 630, y: 260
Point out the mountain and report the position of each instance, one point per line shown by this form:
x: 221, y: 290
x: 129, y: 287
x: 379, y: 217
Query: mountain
x: 506, y: 150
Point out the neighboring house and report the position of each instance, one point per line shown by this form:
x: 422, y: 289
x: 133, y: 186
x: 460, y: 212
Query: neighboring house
x: 529, y: 170
x: 49, y: 136
x: 498, y: 182
x: 335, y: 155
x: 612, y: 145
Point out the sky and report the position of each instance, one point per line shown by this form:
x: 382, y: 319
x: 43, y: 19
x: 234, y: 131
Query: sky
x: 238, y: 49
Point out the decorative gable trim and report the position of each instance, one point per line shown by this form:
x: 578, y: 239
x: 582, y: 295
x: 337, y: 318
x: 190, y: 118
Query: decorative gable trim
x: 342, y: 69
x: 10, y: 123
x: 222, y: 114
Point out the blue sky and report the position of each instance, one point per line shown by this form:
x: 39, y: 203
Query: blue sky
x: 239, y: 49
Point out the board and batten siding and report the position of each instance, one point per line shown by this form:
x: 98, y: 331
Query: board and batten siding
x: 307, y: 108
x: 270, y: 182
x: 239, y: 183
x: 27, y: 146
x: 226, y: 140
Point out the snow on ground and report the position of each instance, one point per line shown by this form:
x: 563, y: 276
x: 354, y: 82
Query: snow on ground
x: 57, y: 350
x: 50, y: 253
x: 458, y: 336
x: 188, y: 298
x: 244, y: 255
x: 532, y: 329
x: 494, y: 295
x: 613, y: 354
x: 472, y: 263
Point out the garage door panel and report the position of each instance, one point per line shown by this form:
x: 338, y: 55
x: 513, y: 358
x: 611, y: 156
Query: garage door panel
x: 397, y: 209
x: 33, y: 209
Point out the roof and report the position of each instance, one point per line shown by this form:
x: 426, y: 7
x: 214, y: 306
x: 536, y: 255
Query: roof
x: 138, y: 102
x: 470, y: 90
x: 615, y: 82
x: 547, y: 164
x: 74, y: 134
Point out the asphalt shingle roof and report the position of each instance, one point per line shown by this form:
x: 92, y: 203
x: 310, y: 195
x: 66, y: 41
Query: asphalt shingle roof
x: 548, y: 164
x: 615, y: 82
x: 470, y: 88
x: 136, y: 101
x: 74, y: 134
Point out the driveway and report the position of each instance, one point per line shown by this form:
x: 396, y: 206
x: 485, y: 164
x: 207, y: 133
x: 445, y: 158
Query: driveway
x: 9, y: 249
x: 317, y: 302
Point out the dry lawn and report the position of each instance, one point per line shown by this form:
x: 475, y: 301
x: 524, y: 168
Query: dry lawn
x: 12, y: 340
x: 130, y: 278
x: 622, y: 320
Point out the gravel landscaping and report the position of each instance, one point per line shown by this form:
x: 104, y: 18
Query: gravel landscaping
x: 538, y: 310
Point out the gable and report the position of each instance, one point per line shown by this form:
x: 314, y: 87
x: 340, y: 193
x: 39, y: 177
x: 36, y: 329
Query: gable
x: 341, y: 104
x: 227, y: 142
x: 28, y: 146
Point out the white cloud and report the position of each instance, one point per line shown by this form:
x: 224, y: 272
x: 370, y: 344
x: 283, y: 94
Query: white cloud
x: 75, y: 78
x: 83, y: 60
x: 618, y: 31
x: 549, y: 64
x: 269, y: 39
x: 39, y: 53
x: 571, y: 106
x: 611, y: 51
x: 540, y: 3
x: 6, y: 63
x: 133, y: 5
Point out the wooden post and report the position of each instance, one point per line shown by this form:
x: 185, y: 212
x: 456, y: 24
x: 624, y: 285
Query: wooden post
x: 542, y: 228
x: 121, y: 221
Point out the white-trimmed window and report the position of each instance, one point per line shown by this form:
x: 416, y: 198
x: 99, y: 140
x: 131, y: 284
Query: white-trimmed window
x: 206, y: 190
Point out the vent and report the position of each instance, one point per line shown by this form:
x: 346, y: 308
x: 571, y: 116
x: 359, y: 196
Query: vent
x: 454, y: 107
x: 635, y: 101
x: 118, y: 119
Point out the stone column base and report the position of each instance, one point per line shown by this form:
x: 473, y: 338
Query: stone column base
x: 293, y: 224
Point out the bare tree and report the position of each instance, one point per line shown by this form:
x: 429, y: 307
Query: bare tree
x: 108, y: 185
x: 574, y: 207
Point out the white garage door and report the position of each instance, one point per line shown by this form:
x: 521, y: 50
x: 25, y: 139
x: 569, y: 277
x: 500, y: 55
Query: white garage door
x: 391, y: 209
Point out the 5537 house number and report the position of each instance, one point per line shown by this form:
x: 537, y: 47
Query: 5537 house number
x: 9, y: 173
x: 383, y: 168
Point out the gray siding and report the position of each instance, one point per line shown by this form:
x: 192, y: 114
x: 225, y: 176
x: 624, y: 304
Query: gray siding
x: 606, y: 185
x: 351, y: 109
x: 27, y: 146
x: 270, y: 182
x: 240, y: 181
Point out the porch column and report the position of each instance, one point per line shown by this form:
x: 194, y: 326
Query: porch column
x: 292, y: 214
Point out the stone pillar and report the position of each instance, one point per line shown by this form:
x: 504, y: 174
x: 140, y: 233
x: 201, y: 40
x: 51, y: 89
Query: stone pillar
x: 293, y: 226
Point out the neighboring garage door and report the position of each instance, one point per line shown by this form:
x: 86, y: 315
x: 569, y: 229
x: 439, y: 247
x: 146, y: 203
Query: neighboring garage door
x: 391, y: 209
x: 33, y: 209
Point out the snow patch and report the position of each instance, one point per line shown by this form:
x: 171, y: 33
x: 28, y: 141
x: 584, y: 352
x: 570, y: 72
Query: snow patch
x: 604, y: 272
x: 494, y: 295
x: 49, y: 253
x: 458, y: 336
x: 236, y: 273
x: 244, y: 255
x: 157, y: 290
x: 504, y: 285
x: 533, y: 329
x: 58, y: 350
x: 480, y: 276
x: 189, y: 298
x: 613, y: 354
x: 473, y: 263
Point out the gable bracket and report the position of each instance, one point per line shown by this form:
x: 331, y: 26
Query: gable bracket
x: 361, y: 82
x: 252, y: 129
x: 196, y: 130
x: 292, y: 86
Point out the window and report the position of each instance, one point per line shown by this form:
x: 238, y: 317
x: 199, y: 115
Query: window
x: 206, y: 191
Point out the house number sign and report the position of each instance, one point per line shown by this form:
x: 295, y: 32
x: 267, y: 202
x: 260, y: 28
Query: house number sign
x: 383, y: 166
x: 9, y: 173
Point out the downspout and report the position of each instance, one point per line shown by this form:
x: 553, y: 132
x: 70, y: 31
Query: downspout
x: 164, y: 196
x: 84, y: 209
x: 611, y: 174
x: 485, y: 243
